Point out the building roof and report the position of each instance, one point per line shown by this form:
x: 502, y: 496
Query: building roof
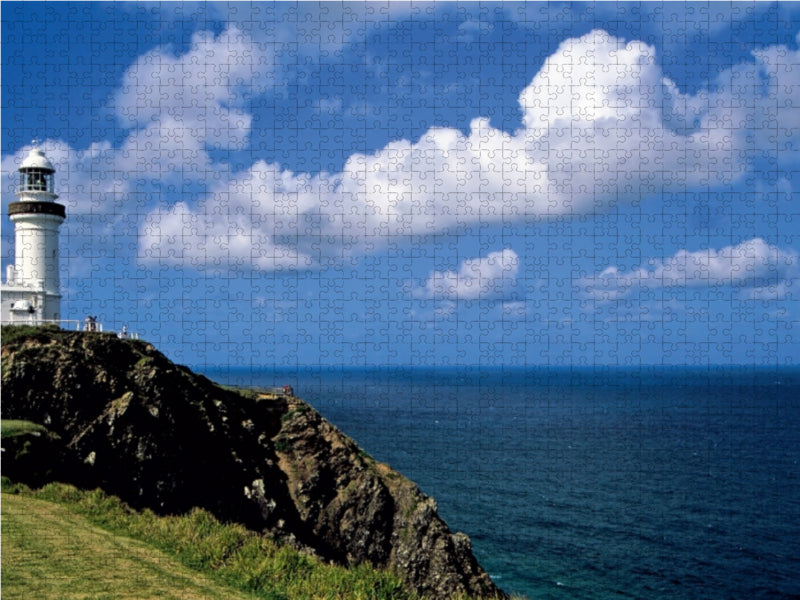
x: 36, y: 160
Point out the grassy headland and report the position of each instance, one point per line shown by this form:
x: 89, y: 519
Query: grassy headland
x: 63, y: 542
x: 154, y: 436
x: 49, y: 551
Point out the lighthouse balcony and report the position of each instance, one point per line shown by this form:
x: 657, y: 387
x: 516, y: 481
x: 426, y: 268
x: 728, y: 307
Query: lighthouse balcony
x: 28, y: 207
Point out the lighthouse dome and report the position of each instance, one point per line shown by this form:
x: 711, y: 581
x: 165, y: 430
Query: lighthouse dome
x: 36, y: 160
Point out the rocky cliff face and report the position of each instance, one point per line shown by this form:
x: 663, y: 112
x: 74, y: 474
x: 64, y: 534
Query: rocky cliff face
x: 127, y: 419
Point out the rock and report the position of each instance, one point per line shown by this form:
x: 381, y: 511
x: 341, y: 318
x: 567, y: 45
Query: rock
x: 37, y: 458
x: 125, y: 418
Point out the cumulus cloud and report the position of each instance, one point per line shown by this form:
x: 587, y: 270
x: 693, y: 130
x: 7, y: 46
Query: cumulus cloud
x: 472, y: 29
x: 487, y: 278
x: 600, y: 123
x: 597, y: 107
x: 761, y: 270
x: 777, y: 291
x: 236, y: 228
x: 199, y: 94
x: 180, y: 106
x: 174, y: 108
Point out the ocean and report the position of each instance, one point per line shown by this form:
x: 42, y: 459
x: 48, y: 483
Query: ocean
x: 593, y: 483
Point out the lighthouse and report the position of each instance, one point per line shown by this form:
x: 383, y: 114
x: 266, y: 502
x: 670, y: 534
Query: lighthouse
x: 31, y: 293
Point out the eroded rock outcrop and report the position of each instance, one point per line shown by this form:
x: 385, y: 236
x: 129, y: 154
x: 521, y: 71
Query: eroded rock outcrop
x: 162, y: 437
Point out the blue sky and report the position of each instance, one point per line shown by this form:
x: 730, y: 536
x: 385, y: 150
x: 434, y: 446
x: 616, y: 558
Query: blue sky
x: 420, y: 184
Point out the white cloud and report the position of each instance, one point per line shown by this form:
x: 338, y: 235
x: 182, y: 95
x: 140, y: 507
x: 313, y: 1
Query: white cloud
x: 472, y: 29
x: 199, y: 94
x: 228, y: 237
x: 777, y: 291
x: 488, y: 278
x: 777, y: 114
x: 331, y: 105
x: 598, y: 108
x: 601, y: 123
x: 444, y: 310
x: 180, y: 106
x: 176, y: 108
x: 762, y: 270
x: 514, y: 310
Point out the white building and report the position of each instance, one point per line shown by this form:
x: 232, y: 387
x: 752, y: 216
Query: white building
x: 31, y: 294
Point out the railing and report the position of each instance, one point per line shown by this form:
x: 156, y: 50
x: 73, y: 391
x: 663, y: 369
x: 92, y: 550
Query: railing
x: 78, y: 326
x: 91, y: 324
x: 58, y: 322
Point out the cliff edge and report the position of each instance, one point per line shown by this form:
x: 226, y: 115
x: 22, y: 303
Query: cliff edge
x: 122, y: 417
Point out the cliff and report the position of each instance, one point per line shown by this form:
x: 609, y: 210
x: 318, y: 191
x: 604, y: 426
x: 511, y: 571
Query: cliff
x: 122, y: 417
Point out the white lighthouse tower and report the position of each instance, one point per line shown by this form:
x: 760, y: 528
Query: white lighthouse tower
x: 31, y: 293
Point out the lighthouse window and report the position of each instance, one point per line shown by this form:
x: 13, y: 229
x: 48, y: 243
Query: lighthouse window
x: 36, y: 180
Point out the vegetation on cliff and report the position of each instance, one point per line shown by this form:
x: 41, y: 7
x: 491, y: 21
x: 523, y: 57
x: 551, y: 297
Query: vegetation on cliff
x: 52, y: 551
x: 122, y: 417
x: 64, y: 542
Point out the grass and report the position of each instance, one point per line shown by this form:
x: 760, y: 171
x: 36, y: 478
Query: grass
x: 48, y: 332
x: 9, y: 333
x: 62, y: 542
x: 49, y: 551
x: 10, y: 428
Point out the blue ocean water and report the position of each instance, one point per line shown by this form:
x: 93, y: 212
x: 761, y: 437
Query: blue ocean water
x: 590, y: 483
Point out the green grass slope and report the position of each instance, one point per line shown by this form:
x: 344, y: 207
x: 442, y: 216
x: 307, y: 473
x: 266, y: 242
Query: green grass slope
x: 49, y: 551
x: 60, y: 542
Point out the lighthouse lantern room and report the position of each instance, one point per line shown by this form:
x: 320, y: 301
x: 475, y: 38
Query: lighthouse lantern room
x: 31, y: 293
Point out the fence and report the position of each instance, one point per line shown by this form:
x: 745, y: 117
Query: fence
x: 78, y: 326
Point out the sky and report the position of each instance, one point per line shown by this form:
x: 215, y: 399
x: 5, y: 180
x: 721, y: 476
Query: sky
x: 423, y: 184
